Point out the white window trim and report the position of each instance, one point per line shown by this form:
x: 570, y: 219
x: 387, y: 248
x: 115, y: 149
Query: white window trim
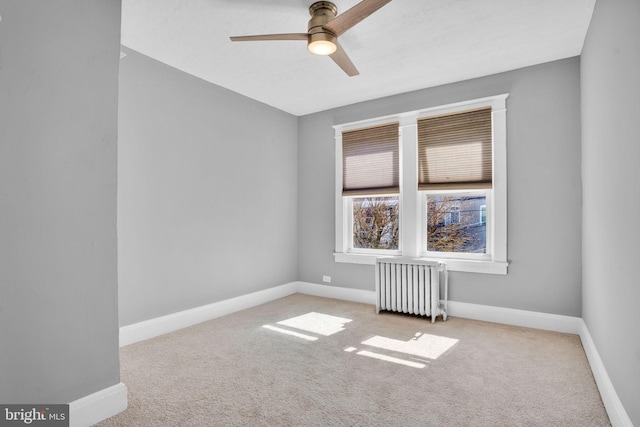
x: 410, y: 217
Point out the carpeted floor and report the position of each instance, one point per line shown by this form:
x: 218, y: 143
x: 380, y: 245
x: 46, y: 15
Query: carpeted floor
x: 310, y: 361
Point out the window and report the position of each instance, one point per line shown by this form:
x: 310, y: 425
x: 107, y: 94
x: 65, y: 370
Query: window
x: 455, y: 153
x: 429, y: 183
x: 371, y: 183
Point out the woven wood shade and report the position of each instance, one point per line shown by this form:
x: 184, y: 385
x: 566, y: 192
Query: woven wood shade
x: 455, y: 151
x: 370, y: 160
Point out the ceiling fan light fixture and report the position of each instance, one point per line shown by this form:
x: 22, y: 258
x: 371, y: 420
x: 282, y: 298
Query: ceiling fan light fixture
x: 322, y: 47
x: 322, y: 44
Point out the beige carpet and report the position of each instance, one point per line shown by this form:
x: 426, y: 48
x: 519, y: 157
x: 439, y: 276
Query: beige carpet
x: 309, y: 361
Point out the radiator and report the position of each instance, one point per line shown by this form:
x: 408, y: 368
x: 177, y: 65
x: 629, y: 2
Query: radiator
x: 410, y: 285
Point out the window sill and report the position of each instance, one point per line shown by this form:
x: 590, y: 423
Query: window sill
x: 468, y: 266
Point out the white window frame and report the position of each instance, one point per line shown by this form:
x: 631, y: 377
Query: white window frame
x: 411, y: 201
x: 349, y: 232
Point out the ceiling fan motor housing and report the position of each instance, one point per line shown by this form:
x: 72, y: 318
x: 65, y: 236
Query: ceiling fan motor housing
x: 321, y: 13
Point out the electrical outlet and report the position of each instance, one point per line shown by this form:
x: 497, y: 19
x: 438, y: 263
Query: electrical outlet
x: 326, y: 279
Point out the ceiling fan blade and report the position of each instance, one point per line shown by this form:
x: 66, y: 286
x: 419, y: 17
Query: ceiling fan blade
x: 351, y: 17
x: 290, y: 36
x: 341, y: 58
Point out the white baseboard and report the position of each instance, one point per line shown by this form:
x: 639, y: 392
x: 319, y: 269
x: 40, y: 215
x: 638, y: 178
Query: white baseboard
x: 98, y: 406
x: 347, y: 294
x: 509, y: 316
x: 515, y: 317
x: 172, y: 322
x: 617, y: 414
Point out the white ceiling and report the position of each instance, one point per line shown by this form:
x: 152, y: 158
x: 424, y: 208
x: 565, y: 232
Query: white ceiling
x: 404, y: 46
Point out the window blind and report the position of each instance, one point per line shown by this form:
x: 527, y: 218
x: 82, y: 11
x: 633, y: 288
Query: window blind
x: 455, y: 151
x: 370, y: 162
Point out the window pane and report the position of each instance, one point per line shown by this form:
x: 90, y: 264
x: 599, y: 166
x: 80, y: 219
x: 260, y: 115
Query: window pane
x: 457, y: 223
x: 375, y: 222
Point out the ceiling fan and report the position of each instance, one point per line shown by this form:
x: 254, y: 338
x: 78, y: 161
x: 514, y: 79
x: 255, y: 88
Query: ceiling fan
x: 324, y: 29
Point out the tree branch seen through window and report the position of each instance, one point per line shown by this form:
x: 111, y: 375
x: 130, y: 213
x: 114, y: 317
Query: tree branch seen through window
x: 375, y: 223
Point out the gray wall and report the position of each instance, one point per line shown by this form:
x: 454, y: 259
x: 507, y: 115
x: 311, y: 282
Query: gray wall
x: 544, y: 189
x: 58, y: 267
x: 610, y: 71
x: 207, y: 192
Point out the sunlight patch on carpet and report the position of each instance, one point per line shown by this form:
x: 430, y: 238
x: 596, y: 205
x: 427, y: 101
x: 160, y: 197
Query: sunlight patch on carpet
x: 391, y: 359
x: 421, y: 345
x: 318, y: 323
x: 288, y: 332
